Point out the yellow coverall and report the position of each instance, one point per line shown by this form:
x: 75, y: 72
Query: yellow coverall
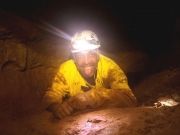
x: 110, y: 80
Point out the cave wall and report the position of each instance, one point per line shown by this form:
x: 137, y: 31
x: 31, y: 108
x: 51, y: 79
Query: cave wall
x: 29, y: 59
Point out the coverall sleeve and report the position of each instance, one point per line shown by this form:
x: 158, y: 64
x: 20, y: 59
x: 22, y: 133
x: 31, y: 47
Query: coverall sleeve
x: 118, y: 94
x: 118, y: 80
x: 119, y: 84
x: 57, y: 90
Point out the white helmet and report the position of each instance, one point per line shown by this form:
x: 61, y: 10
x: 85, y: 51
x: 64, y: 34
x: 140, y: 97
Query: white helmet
x: 84, y: 41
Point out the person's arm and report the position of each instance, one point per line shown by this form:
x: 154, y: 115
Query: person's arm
x: 102, y: 97
x: 119, y: 84
x: 55, y: 94
x: 119, y: 94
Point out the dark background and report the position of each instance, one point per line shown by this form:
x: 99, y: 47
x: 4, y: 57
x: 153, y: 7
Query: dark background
x: 150, y: 27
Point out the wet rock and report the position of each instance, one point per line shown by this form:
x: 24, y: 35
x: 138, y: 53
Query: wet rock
x: 162, y: 84
x: 112, y: 121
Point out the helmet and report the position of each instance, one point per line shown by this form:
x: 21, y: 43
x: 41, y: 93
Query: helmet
x: 84, y: 41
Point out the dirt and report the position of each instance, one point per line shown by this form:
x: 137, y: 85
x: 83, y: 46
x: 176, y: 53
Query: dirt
x: 113, y: 121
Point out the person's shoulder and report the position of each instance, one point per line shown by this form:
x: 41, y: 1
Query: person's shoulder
x: 67, y: 65
x: 108, y: 63
x: 105, y: 59
x: 67, y: 62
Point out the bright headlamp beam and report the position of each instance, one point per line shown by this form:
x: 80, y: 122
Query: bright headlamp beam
x: 55, y: 31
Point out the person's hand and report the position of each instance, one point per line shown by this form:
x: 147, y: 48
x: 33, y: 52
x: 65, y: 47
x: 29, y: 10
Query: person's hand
x: 103, y: 98
x: 62, y: 110
x: 86, y: 100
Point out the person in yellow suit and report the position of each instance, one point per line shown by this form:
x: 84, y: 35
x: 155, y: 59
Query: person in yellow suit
x: 88, y: 80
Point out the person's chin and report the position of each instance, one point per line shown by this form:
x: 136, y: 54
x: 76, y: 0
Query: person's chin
x: 88, y: 75
x: 88, y: 72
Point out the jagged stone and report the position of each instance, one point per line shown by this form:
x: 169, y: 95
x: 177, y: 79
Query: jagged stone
x: 14, y: 55
x: 164, y: 83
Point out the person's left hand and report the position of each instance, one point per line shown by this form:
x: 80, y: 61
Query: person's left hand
x: 86, y: 100
x: 63, y: 110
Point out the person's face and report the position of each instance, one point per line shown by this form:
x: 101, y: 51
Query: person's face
x: 87, y: 62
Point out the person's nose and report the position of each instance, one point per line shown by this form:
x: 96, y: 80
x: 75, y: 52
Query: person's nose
x: 86, y: 59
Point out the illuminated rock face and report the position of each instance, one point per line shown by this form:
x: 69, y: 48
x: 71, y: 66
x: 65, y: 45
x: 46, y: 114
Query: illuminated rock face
x: 114, y: 121
x: 163, y: 84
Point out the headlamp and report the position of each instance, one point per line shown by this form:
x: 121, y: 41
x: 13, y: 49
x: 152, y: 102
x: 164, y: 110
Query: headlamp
x: 84, y: 45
